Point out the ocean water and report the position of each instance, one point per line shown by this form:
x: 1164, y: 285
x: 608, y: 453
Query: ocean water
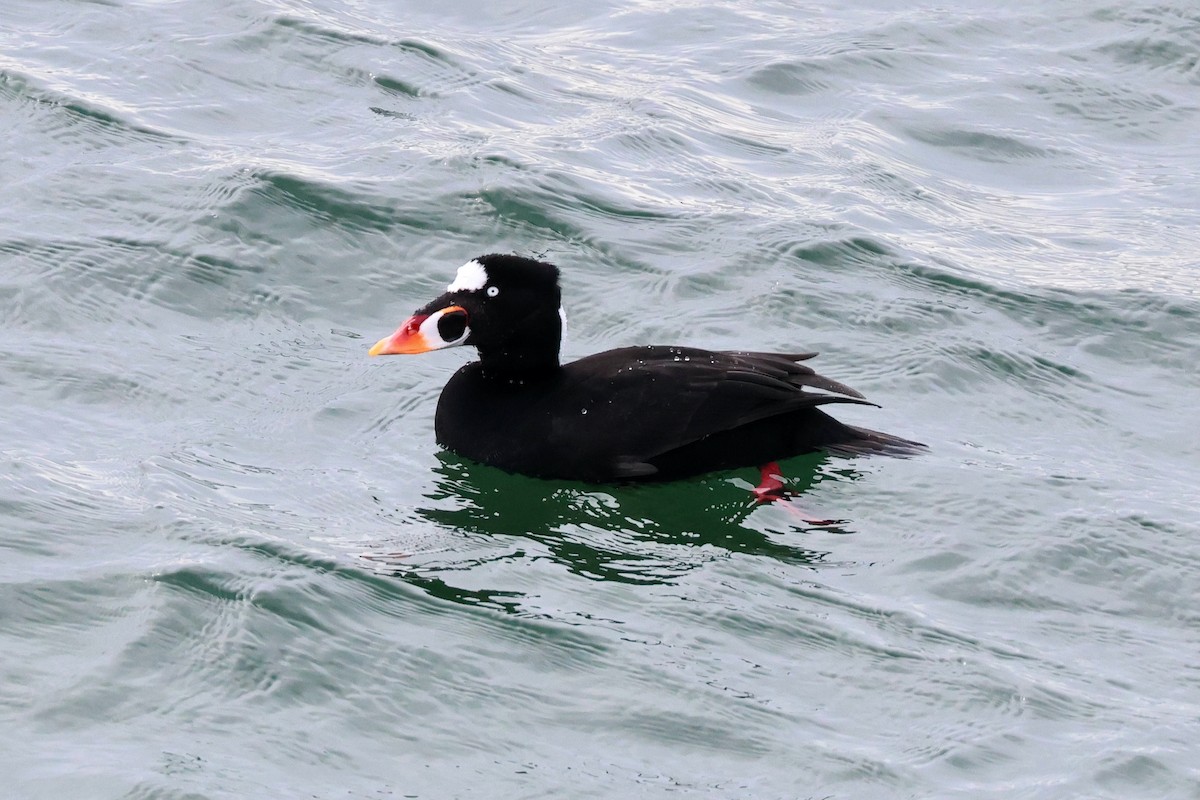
x: 234, y: 564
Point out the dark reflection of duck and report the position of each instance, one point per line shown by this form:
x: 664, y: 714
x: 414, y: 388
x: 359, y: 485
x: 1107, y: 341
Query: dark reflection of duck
x: 629, y: 534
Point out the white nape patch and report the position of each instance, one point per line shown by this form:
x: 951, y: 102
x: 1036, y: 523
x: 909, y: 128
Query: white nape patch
x: 471, y: 277
x: 562, y: 314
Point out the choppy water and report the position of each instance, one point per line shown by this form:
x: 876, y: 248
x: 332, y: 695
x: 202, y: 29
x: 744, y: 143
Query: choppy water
x: 233, y: 563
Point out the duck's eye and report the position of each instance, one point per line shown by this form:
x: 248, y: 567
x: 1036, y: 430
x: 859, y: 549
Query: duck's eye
x: 492, y: 291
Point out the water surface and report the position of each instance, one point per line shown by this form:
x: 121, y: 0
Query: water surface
x: 234, y: 563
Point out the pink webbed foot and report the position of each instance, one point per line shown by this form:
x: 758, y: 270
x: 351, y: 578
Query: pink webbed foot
x: 770, y: 484
x: 771, y: 489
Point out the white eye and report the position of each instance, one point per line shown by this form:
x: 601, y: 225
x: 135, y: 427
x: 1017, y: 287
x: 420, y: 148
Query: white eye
x: 492, y: 291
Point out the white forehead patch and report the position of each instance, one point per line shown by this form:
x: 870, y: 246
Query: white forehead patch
x: 471, y: 277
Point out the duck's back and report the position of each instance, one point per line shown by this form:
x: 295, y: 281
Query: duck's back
x: 645, y: 413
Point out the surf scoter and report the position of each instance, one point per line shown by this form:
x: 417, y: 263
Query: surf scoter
x: 635, y: 413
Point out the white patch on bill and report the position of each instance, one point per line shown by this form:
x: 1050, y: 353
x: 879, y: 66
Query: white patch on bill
x: 471, y: 277
x: 433, y: 336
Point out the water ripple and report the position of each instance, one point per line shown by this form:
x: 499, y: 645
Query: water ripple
x: 235, y: 562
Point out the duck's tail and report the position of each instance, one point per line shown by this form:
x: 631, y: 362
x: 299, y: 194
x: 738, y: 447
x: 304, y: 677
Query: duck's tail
x: 868, y: 442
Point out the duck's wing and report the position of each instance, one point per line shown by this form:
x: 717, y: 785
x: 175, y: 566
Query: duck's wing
x: 652, y: 400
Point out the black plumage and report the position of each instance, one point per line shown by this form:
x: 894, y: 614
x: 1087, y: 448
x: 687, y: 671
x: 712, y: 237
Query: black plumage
x: 635, y: 413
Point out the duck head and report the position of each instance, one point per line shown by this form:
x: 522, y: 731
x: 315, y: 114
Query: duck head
x: 508, y: 307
